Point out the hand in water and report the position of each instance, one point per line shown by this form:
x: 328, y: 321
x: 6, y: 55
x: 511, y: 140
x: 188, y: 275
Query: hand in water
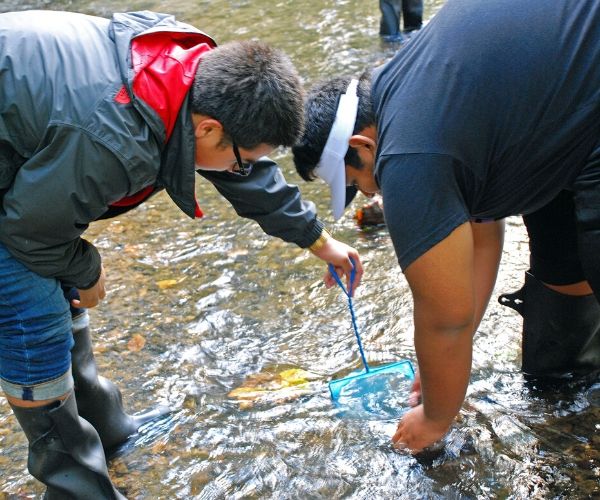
x: 416, y: 432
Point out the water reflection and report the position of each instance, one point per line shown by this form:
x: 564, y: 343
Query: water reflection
x: 219, y: 306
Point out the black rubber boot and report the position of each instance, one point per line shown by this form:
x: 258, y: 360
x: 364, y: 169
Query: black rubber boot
x: 561, y: 333
x: 65, y: 452
x: 99, y: 401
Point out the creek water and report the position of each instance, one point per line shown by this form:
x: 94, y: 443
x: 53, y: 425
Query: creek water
x: 235, y: 331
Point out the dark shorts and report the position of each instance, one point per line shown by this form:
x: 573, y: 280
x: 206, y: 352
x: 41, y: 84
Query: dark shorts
x: 552, y: 230
x: 564, y: 236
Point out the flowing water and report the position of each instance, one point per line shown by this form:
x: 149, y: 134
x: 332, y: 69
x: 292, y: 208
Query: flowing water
x: 235, y: 332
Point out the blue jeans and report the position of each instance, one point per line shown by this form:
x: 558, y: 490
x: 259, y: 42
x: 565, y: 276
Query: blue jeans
x: 411, y: 11
x: 35, y: 333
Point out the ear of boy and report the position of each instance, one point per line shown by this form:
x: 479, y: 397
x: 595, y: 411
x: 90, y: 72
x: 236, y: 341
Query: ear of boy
x: 359, y: 141
x: 207, y: 130
x: 366, y: 148
x: 365, y: 143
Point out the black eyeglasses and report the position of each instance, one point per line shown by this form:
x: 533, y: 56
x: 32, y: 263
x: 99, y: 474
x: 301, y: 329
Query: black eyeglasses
x: 243, y: 169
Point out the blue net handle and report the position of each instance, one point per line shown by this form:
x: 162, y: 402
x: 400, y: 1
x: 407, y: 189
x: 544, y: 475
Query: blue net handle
x: 348, y: 294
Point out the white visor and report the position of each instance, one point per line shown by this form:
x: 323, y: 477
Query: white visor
x: 331, y: 167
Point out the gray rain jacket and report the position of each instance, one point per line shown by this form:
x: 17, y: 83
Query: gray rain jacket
x: 71, y: 146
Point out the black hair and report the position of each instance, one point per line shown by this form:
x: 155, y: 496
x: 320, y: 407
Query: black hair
x: 319, y: 112
x: 253, y: 90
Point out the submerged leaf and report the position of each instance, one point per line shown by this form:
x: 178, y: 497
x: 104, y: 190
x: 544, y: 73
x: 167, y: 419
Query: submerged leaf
x: 136, y: 343
x: 273, y: 387
x: 164, y: 284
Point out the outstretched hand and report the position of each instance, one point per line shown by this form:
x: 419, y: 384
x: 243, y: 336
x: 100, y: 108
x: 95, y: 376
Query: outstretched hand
x: 340, y: 256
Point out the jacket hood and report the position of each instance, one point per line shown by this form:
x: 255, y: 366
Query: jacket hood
x: 158, y: 58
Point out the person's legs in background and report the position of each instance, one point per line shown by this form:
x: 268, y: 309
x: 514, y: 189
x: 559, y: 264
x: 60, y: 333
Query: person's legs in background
x: 65, y: 451
x: 412, y: 15
x: 561, y: 316
x: 389, y: 26
x: 411, y: 12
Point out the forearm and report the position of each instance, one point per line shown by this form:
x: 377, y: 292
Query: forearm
x: 444, y: 354
x: 265, y: 197
x: 75, y: 263
x: 51, y: 201
x: 442, y: 283
x: 444, y: 357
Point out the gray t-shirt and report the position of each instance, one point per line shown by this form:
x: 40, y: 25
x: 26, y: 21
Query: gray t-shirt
x: 490, y: 111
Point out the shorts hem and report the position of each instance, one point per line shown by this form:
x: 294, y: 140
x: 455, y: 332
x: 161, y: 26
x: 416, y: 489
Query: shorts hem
x: 51, y: 389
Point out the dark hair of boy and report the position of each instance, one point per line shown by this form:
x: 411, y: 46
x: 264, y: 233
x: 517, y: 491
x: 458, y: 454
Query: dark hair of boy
x: 253, y: 90
x: 319, y: 111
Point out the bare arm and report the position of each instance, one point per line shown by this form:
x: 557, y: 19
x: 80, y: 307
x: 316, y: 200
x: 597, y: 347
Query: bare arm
x: 443, y: 287
x: 452, y: 285
x: 488, y: 240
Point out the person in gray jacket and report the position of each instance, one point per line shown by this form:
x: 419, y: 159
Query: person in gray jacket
x: 96, y: 116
